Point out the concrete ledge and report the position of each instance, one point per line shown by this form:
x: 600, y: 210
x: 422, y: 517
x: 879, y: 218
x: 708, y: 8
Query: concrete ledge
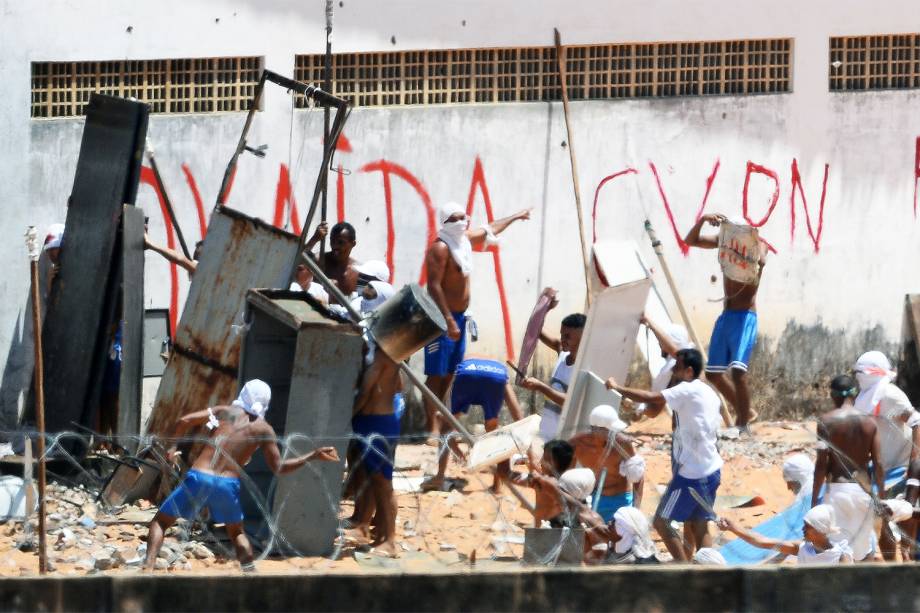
x: 873, y: 587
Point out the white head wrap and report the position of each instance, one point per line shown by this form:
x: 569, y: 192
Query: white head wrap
x: 680, y: 336
x: 632, y: 526
x: 633, y: 468
x: 377, y: 269
x: 823, y: 519
x: 605, y: 416
x: 384, y: 291
x: 799, y: 469
x: 254, y: 397
x: 873, y: 372
x: 54, y: 237
x: 577, y: 482
x: 901, y: 510
x: 709, y: 557
x: 453, y: 233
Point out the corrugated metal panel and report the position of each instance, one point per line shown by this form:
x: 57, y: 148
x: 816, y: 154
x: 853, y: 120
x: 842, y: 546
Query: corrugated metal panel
x: 83, y: 297
x: 239, y: 253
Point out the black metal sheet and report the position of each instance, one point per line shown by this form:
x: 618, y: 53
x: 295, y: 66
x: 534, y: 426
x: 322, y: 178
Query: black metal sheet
x: 132, y: 327
x: 82, y: 299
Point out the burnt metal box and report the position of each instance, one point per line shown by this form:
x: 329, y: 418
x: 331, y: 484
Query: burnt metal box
x: 312, y: 363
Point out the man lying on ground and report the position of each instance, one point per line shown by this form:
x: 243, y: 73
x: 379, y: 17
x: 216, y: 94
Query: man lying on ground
x: 608, y: 451
x: 847, y: 441
x: 822, y: 544
x: 235, y: 433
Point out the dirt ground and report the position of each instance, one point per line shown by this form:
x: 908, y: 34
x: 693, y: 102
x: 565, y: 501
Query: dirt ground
x: 470, y: 530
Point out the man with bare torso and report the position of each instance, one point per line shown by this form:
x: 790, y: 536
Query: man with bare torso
x: 337, y: 263
x: 735, y: 332
x: 609, y: 452
x: 236, y: 432
x: 376, y: 426
x: 449, y: 262
x: 847, y: 441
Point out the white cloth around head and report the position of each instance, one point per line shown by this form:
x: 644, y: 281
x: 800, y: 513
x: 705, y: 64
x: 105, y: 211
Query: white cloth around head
x: 54, y: 237
x: 578, y: 482
x: 633, y: 527
x: 605, y: 416
x: 448, y: 210
x: 799, y: 469
x: 384, y: 291
x: 254, y: 397
x: 823, y: 519
x: 377, y: 269
x: 873, y: 373
x: 709, y: 557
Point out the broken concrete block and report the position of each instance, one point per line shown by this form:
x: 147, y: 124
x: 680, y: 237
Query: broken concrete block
x: 102, y: 560
x: 201, y: 552
x: 161, y: 564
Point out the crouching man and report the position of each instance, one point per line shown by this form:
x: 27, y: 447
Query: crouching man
x: 236, y: 432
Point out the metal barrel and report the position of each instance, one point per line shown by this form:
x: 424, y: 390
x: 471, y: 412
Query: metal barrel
x: 406, y: 322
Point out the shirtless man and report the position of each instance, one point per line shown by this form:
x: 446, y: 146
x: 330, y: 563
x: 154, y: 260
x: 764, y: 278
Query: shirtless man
x: 376, y: 425
x: 558, y: 457
x: 236, y: 432
x: 735, y: 332
x: 847, y: 441
x: 337, y: 263
x: 449, y: 262
x: 608, y: 451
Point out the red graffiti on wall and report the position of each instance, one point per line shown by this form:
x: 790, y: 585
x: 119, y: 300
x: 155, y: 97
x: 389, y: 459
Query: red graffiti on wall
x: 797, y: 182
x: 597, y: 192
x: 479, y: 180
x: 387, y: 168
x: 684, y: 247
x: 916, y: 171
x: 148, y: 178
x: 196, y: 196
x: 284, y: 195
x: 753, y: 168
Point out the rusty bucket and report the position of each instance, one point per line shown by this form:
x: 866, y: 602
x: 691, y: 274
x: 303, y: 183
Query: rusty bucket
x: 406, y: 322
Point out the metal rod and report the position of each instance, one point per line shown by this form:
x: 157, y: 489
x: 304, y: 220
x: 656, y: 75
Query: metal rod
x: 39, y: 373
x: 167, y: 202
x: 327, y: 85
x: 656, y: 246
x: 241, y: 145
x: 560, y: 57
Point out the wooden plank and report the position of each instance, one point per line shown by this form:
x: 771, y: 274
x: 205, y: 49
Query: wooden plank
x: 132, y: 327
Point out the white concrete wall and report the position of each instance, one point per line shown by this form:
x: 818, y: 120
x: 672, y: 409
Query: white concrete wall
x: 854, y: 283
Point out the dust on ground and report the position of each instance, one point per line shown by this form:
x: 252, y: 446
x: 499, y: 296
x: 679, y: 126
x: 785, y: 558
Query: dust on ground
x: 435, y: 531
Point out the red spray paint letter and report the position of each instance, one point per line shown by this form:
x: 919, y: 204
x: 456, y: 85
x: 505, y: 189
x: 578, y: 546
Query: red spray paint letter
x: 757, y: 168
x: 684, y: 247
x: 797, y: 182
x: 148, y: 177
x: 604, y: 181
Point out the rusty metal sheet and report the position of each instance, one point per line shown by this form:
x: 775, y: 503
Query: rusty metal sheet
x: 132, y: 327
x: 239, y: 253
x: 83, y: 297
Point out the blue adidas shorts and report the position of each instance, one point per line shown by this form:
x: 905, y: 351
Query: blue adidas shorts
x: 376, y: 442
x: 607, y: 506
x: 220, y: 495
x: 678, y: 504
x: 733, y: 339
x: 480, y: 382
x: 443, y: 355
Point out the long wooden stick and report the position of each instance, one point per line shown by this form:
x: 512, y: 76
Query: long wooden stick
x: 560, y: 57
x: 327, y: 85
x: 34, y: 253
x: 656, y: 246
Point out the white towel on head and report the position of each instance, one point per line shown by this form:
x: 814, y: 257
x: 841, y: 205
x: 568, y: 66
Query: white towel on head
x: 384, y: 291
x: 453, y: 233
x: 709, y: 557
x: 799, y: 469
x: 633, y: 468
x: 873, y: 372
x: 823, y: 518
x: 633, y: 527
x: 605, y: 416
x: 853, y: 513
x: 254, y: 397
x: 578, y: 482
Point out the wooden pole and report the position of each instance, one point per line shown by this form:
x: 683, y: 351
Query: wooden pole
x: 656, y: 246
x: 327, y: 85
x: 34, y: 253
x: 560, y: 57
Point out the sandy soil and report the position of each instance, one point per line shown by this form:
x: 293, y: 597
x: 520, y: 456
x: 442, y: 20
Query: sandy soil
x: 436, y: 530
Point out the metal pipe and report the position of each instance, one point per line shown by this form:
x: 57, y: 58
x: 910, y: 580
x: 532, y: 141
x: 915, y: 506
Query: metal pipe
x: 327, y: 85
x: 34, y: 253
x: 241, y: 145
x: 166, y: 201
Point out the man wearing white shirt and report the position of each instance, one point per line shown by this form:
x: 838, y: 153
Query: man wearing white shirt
x: 696, y: 463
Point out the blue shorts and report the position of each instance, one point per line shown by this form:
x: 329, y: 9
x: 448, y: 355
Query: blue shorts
x: 376, y: 442
x: 221, y: 496
x: 480, y: 382
x: 443, y: 355
x: 678, y: 504
x: 609, y: 505
x: 733, y: 339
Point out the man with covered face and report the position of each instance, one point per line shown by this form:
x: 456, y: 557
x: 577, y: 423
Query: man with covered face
x: 449, y: 262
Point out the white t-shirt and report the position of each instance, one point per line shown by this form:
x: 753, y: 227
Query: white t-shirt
x: 696, y: 409
x: 894, y: 433
x: 562, y: 375
x: 661, y: 380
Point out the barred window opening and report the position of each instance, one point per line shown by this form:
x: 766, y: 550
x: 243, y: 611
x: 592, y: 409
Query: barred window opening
x: 882, y: 61
x: 528, y: 74
x: 198, y: 85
